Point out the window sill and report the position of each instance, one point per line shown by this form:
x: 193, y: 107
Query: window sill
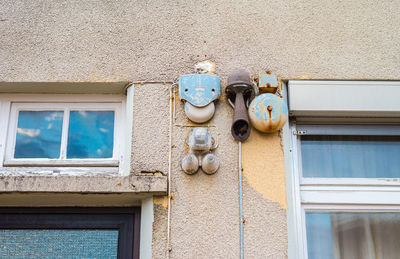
x: 79, y: 190
x: 84, y: 184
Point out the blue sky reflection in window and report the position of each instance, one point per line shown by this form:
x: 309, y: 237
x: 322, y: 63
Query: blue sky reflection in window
x: 90, y: 134
x: 38, y: 134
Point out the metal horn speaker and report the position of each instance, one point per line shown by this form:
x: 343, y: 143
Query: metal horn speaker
x: 240, y: 91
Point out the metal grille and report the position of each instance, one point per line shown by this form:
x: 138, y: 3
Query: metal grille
x: 50, y: 243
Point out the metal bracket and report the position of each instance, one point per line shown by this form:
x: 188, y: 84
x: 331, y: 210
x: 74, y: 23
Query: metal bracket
x: 299, y: 132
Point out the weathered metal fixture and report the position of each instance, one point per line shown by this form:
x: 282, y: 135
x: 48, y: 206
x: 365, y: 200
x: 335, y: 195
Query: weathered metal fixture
x: 240, y: 91
x: 200, y: 145
x: 190, y: 164
x: 200, y: 140
x: 268, y: 112
x: 199, y: 91
x: 269, y: 82
x: 210, y: 164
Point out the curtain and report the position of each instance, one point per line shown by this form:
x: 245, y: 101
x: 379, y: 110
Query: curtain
x: 353, y: 235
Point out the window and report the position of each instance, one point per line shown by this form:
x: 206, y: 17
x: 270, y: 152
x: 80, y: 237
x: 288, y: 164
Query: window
x: 347, y: 190
x: 69, y: 233
x: 66, y: 130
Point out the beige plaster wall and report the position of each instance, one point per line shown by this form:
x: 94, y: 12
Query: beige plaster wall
x: 263, y: 165
x: 121, y: 40
x: 159, y: 40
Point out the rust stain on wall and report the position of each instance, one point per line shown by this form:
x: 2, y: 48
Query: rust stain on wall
x: 161, y: 200
x: 263, y: 166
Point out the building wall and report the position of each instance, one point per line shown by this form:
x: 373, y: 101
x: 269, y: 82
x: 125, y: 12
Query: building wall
x: 149, y: 40
x: 130, y: 41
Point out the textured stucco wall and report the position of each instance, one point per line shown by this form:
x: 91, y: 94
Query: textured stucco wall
x: 204, y: 211
x: 121, y: 40
x: 150, y: 133
x: 151, y: 40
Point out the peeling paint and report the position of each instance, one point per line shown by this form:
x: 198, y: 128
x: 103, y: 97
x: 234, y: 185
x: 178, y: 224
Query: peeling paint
x: 206, y: 66
x: 161, y: 200
x: 263, y: 166
x: 303, y: 77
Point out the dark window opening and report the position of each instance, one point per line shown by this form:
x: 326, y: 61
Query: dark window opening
x: 69, y: 232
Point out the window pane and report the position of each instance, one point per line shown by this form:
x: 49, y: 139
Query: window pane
x: 351, y: 156
x: 90, y: 134
x: 353, y: 235
x: 39, y: 134
x: 48, y: 243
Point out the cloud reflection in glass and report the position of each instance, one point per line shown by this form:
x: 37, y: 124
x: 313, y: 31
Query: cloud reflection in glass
x: 39, y: 134
x: 90, y: 134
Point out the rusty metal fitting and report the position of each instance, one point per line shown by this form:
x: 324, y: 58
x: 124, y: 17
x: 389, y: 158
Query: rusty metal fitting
x: 269, y: 82
x: 240, y: 92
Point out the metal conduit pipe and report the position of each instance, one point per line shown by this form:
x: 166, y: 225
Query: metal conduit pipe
x: 171, y: 97
x: 240, y: 200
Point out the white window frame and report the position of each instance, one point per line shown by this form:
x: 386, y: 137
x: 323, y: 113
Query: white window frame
x: 337, y: 194
x: 10, y: 104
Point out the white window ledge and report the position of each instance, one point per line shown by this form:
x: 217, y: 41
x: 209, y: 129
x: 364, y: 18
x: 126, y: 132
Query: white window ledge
x: 344, y: 98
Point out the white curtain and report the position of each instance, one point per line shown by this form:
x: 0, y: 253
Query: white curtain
x: 365, y: 236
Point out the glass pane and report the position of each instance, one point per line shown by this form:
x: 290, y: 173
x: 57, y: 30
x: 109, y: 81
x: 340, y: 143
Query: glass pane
x: 50, y: 243
x: 353, y: 235
x: 90, y: 134
x: 351, y: 156
x: 39, y: 134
